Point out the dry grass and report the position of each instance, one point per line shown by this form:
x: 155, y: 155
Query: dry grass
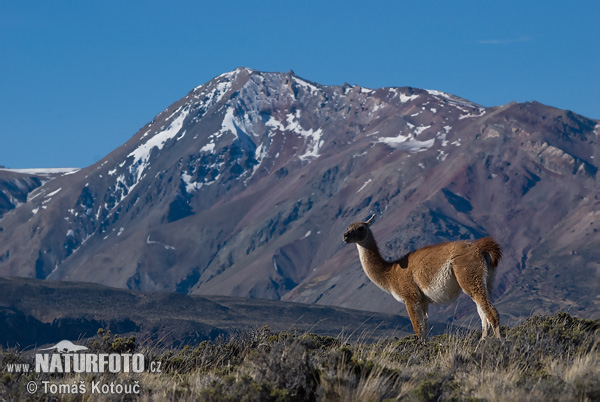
x: 545, y: 358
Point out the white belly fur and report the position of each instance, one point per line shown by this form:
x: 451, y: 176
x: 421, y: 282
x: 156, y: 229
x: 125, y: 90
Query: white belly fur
x: 397, y: 297
x: 443, y: 287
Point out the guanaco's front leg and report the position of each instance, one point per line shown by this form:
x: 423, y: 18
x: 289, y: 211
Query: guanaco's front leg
x: 417, y: 312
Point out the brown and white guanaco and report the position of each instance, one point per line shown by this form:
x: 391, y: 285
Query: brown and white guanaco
x: 433, y: 274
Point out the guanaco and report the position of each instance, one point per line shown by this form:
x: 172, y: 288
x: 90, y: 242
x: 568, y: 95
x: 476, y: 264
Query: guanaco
x: 432, y: 274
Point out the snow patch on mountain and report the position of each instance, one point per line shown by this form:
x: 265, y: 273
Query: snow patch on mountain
x: 190, y: 185
x: 141, y: 155
x: 52, y: 193
x: 468, y: 115
x: 307, y: 86
x: 377, y: 106
x: 226, y: 79
x: 210, y: 147
x: 407, y: 143
x: 166, y: 246
x: 364, y: 185
x: 420, y: 129
x: 314, y: 140
x: 464, y: 106
x: 441, y: 155
x: 403, y: 97
x: 437, y: 93
x: 407, y: 98
x: 141, y: 158
x: 228, y: 124
x: 259, y: 155
x: 313, y: 137
x: 274, y: 124
x: 44, y: 171
x: 210, y: 95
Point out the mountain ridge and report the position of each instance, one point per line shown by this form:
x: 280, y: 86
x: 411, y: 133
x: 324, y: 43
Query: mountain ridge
x: 244, y: 186
x: 57, y: 310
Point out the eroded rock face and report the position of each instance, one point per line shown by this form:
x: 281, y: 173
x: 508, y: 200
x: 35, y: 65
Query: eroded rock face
x: 244, y: 186
x: 558, y: 161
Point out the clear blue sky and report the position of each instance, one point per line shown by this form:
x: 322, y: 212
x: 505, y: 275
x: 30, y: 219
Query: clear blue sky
x: 79, y: 78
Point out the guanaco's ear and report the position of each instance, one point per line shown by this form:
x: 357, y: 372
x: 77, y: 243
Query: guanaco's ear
x: 370, y: 220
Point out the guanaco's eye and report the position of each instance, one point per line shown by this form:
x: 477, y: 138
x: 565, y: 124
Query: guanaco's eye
x: 361, y: 229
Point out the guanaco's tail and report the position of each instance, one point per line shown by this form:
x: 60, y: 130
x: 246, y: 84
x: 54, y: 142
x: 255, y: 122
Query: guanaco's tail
x: 490, y: 249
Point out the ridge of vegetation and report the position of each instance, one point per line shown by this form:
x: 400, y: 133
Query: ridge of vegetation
x: 544, y: 358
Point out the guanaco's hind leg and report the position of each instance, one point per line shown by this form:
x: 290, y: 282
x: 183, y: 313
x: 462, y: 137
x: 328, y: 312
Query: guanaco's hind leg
x: 485, y: 323
x: 489, y: 316
x: 474, y: 284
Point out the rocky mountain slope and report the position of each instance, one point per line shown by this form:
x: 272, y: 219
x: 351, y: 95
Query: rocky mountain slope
x: 245, y: 186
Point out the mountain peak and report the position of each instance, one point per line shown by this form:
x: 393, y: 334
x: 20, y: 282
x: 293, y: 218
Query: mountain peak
x: 244, y: 186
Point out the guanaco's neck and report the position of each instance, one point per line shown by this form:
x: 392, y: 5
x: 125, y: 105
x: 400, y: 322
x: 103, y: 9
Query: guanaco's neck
x: 373, y: 263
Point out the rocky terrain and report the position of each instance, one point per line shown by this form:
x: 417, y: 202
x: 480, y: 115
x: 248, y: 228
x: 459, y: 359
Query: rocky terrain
x: 244, y: 187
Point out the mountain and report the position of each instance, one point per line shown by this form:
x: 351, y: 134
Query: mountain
x: 245, y: 186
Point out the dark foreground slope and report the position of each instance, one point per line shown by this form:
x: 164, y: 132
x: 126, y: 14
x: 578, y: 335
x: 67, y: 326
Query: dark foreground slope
x: 35, y: 312
x: 544, y: 358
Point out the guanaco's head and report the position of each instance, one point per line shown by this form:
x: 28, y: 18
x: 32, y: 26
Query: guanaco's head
x: 358, y: 231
